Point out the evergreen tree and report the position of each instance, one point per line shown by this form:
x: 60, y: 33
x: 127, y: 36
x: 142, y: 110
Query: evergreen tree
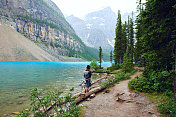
x: 125, y: 34
x: 139, y: 42
x: 100, y: 56
x: 127, y: 64
x: 119, y: 47
x: 111, y: 56
x: 131, y: 38
x: 155, y: 38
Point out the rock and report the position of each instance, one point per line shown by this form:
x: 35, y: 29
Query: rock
x: 134, y: 95
x: 119, y: 94
x: 151, y: 113
x: 138, y: 103
x: 106, y: 91
x: 20, y: 103
x: 92, y: 96
x: 120, y: 100
x: 130, y: 101
x: 88, y: 99
x: 15, y: 113
x: 20, y: 96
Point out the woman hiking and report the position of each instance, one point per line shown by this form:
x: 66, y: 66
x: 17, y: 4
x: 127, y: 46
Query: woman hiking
x: 87, y: 76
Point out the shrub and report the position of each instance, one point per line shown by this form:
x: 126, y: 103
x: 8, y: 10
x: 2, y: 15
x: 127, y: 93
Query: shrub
x: 65, y: 105
x: 168, y: 108
x: 113, y: 67
x: 101, y: 71
x: 119, y: 77
x: 94, y: 64
x: 158, y: 82
x: 140, y: 84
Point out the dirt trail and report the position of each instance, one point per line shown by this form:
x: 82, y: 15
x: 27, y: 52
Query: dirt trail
x: 120, y: 102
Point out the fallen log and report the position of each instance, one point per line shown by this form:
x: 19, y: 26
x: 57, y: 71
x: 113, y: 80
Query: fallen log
x: 86, y: 95
x: 79, y: 96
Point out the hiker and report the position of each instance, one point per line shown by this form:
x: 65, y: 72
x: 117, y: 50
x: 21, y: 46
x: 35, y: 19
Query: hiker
x: 87, y: 76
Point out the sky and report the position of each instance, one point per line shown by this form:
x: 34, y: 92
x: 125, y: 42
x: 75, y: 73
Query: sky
x: 80, y: 8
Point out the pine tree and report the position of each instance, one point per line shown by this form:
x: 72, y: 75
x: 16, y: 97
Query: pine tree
x: 139, y: 43
x: 127, y: 64
x: 100, y: 56
x: 125, y: 33
x: 131, y: 38
x: 119, y: 41
x: 155, y: 30
x: 111, y: 56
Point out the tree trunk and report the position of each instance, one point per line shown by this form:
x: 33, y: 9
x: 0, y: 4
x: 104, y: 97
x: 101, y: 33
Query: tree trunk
x: 120, y: 61
x: 175, y: 78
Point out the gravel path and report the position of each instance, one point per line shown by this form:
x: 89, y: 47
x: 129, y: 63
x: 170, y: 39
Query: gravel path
x: 120, y: 102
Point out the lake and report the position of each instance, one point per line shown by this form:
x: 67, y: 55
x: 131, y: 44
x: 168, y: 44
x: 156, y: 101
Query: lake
x: 18, y: 78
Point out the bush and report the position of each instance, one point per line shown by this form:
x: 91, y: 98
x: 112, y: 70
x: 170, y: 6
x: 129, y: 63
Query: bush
x: 94, y: 64
x: 119, y: 77
x: 113, y: 67
x: 168, y: 108
x: 157, y: 82
x: 140, y: 84
x: 65, y: 105
x: 101, y: 71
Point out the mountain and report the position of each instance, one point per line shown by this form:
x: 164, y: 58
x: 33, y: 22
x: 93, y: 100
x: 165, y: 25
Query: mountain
x: 16, y: 47
x: 97, y: 29
x: 43, y: 23
x: 125, y: 16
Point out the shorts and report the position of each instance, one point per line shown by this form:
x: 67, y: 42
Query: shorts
x: 88, y: 83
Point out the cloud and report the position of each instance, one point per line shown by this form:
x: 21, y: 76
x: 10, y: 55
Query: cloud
x: 80, y: 8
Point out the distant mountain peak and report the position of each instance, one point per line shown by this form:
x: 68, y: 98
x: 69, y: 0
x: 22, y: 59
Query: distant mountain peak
x: 107, y: 9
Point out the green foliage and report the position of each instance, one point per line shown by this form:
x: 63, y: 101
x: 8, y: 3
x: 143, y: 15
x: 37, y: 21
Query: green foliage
x: 120, y: 42
x: 119, y: 77
x: 100, y: 56
x: 111, y: 57
x: 155, y: 35
x: 114, y: 67
x: 140, y: 84
x: 102, y: 71
x: 94, y: 65
x: 88, y: 53
x: 157, y: 82
x: 168, y: 108
x: 155, y: 28
x: 127, y: 65
x: 131, y: 38
x: 65, y: 105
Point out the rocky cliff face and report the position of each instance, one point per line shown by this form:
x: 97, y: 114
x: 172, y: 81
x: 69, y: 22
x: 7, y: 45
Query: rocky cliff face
x: 42, y: 22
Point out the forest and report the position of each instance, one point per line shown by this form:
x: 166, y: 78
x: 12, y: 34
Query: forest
x: 150, y: 42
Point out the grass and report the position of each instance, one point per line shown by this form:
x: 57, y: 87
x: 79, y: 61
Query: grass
x: 120, y: 76
x: 156, y: 97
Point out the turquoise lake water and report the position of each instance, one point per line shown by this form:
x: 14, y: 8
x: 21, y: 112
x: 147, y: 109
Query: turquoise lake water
x: 18, y: 78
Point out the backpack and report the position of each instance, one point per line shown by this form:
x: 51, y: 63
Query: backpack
x: 87, y: 74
